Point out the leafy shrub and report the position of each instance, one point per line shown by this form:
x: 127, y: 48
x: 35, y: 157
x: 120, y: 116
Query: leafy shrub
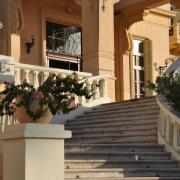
x: 168, y: 85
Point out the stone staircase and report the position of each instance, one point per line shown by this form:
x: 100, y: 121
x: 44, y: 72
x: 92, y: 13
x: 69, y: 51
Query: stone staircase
x: 118, y: 141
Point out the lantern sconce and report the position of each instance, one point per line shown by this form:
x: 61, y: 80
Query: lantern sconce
x: 160, y: 69
x: 29, y: 45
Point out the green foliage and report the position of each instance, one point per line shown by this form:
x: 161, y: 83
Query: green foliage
x: 57, y: 93
x: 168, y: 85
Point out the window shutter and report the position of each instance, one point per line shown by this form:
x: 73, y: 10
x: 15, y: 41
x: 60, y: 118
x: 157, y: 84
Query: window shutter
x: 148, y: 64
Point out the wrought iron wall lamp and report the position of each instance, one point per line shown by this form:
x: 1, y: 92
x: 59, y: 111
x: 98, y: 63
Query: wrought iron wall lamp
x: 29, y: 45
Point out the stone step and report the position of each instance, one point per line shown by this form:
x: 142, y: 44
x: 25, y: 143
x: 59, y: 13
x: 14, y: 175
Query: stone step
x: 112, y: 123
x: 123, y: 107
x: 117, y: 133
x: 107, y: 119
x: 120, y: 111
x: 128, y: 139
x: 127, y: 178
x: 117, y: 155
x: 87, y: 164
x: 121, y: 173
x: 113, y: 148
x: 118, y: 118
x: 136, y: 113
x: 116, y: 128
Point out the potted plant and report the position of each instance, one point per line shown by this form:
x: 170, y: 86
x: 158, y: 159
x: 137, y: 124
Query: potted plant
x: 29, y: 104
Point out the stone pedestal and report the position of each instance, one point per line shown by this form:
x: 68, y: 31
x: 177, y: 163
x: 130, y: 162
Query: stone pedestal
x: 34, y: 152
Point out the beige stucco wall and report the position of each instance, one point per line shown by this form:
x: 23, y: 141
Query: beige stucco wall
x: 33, y: 14
x: 154, y: 28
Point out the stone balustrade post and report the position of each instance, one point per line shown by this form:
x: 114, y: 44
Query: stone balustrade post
x: 34, y: 152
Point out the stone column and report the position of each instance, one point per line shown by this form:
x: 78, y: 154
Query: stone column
x: 34, y: 152
x: 98, y: 39
x: 12, y: 21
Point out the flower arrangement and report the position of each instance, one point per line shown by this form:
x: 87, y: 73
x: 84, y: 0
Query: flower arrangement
x: 56, y: 93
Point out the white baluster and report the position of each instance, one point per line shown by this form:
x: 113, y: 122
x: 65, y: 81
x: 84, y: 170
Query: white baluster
x: 45, y: 76
x: 26, y: 75
x: 178, y: 136
x: 162, y: 126
x: 17, y: 76
x: 105, y: 88
x: 95, y: 90
x: 36, y: 79
x: 83, y: 100
x: 77, y: 100
x: 101, y: 88
x: 171, y: 132
x: 1, y: 123
x: 175, y: 136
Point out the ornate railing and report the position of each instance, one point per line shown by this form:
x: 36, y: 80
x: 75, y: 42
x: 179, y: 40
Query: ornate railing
x: 169, y: 120
x: 169, y: 128
x: 36, y: 75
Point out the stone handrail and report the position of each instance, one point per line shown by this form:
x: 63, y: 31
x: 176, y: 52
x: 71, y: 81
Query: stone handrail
x: 169, y: 128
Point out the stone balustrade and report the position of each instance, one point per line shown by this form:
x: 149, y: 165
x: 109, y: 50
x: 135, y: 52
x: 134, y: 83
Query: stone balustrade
x: 169, y: 128
x: 10, y: 70
x: 36, y: 75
